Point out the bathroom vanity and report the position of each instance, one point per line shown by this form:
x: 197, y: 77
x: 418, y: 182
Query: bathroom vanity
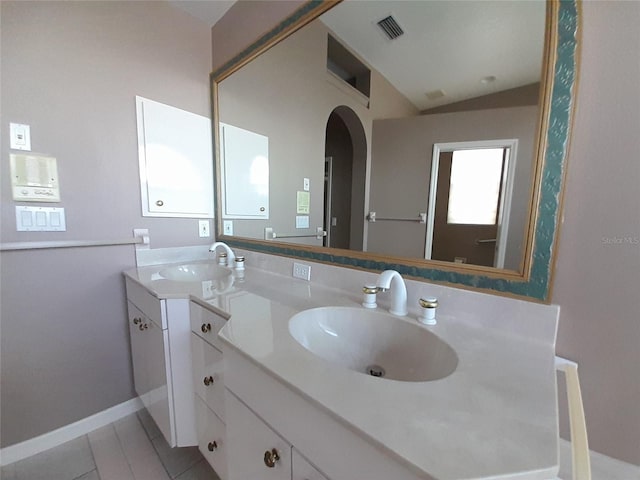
x: 159, y: 332
x: 268, y: 407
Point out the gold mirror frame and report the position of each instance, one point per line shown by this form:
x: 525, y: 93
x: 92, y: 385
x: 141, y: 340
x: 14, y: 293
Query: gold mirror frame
x: 559, y: 83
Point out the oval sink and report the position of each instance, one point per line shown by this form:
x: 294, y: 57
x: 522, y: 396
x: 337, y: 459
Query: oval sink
x: 195, y: 272
x: 373, y: 343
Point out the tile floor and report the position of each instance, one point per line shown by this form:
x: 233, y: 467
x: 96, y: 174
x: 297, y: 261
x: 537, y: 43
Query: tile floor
x: 130, y: 449
x: 134, y: 449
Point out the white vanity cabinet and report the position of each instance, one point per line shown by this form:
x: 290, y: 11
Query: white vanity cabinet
x: 208, y: 382
x: 148, y: 350
x: 212, y: 438
x: 302, y: 469
x: 161, y: 355
x: 256, y: 451
x: 263, y: 414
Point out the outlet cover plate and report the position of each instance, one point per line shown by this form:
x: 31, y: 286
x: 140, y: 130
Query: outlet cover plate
x: 302, y: 271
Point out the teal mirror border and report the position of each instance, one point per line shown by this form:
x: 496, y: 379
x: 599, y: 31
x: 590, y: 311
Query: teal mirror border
x: 553, y: 171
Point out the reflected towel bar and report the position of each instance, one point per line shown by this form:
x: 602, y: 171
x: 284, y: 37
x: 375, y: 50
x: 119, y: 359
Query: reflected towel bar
x: 486, y: 240
x: 314, y: 235
x: 421, y: 218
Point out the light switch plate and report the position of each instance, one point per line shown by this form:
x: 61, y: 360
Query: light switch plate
x: 203, y: 228
x: 227, y: 225
x: 40, y: 219
x: 305, y: 184
x: 20, y: 136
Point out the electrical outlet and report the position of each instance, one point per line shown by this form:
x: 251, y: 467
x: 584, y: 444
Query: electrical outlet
x: 203, y: 228
x: 207, y: 289
x: 302, y: 271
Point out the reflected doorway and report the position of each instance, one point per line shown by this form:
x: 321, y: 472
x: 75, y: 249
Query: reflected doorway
x: 469, y: 202
x: 344, y: 180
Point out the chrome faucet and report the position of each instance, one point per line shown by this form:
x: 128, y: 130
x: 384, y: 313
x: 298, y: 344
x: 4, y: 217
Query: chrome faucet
x: 230, y: 255
x: 392, y: 280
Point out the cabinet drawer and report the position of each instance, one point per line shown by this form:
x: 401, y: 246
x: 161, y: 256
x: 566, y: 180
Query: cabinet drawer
x: 206, y: 324
x: 208, y: 377
x: 302, y: 469
x: 145, y: 301
x: 212, y: 439
x: 254, y: 451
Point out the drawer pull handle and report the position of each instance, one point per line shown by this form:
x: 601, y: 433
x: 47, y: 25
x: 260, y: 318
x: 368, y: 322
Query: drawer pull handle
x: 212, y: 446
x: 137, y: 320
x: 206, y: 327
x: 208, y: 380
x: 271, y: 457
x: 143, y: 326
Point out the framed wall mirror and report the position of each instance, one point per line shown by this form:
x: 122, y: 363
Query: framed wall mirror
x: 427, y: 137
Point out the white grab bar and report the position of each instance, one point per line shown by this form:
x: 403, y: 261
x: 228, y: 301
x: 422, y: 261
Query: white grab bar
x: 69, y: 244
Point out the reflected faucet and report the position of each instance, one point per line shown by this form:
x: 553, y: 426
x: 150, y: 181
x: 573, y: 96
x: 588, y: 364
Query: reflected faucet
x: 392, y: 280
x: 230, y: 255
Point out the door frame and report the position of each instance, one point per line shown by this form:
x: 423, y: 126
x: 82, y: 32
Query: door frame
x: 506, y: 188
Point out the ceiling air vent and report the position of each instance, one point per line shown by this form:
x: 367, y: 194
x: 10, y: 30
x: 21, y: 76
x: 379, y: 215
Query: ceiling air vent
x: 390, y: 27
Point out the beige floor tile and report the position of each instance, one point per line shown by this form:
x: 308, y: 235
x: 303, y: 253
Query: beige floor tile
x: 108, y: 454
x: 133, y: 438
x: 65, y: 462
x: 149, y: 468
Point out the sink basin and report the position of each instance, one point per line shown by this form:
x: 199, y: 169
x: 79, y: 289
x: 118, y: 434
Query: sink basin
x: 195, y: 272
x: 374, y: 343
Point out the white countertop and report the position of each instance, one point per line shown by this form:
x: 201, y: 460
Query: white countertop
x: 494, y: 417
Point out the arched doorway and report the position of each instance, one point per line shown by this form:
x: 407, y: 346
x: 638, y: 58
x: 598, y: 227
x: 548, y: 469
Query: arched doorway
x: 345, y: 176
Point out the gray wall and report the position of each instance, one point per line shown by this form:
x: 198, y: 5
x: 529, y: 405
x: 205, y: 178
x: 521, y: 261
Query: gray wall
x: 597, y: 280
x: 277, y: 84
x: 71, y: 70
x: 596, y: 285
x: 401, y: 172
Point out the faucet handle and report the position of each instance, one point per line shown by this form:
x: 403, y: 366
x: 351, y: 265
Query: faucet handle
x: 427, y: 314
x: 369, y: 292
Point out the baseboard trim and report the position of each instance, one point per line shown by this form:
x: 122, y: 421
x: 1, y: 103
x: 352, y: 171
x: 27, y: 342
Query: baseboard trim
x: 22, y: 450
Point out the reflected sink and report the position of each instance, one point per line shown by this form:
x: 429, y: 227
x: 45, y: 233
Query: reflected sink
x: 195, y: 272
x: 374, y: 343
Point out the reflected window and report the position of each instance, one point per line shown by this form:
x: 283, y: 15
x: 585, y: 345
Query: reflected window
x: 474, y: 188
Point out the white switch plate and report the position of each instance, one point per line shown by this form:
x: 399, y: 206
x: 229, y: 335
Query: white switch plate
x: 305, y: 184
x: 40, y: 219
x: 302, y: 221
x: 20, y: 136
x: 228, y: 227
x: 203, y: 228
x: 302, y: 271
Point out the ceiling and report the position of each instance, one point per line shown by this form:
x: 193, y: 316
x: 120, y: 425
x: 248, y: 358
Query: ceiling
x: 448, y: 45
x: 209, y: 11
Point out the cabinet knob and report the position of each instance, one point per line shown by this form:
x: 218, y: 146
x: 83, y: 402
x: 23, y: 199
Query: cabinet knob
x: 137, y: 320
x: 271, y: 457
x: 212, y: 446
x: 159, y: 203
x: 208, y: 380
x: 206, y: 327
x: 143, y: 326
